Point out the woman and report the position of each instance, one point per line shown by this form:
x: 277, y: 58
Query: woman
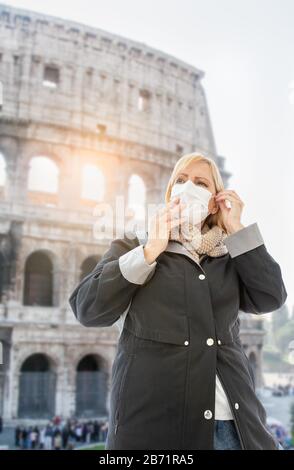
x: 180, y: 378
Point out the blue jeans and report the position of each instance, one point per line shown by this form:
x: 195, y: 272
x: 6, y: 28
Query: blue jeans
x: 226, y: 436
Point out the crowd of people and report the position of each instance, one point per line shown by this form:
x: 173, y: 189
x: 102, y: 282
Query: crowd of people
x: 282, y: 435
x: 58, y: 434
x: 283, y: 390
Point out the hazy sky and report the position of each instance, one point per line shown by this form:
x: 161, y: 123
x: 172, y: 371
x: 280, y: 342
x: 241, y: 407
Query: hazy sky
x: 245, y: 49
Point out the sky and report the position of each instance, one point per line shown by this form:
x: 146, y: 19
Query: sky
x: 245, y: 49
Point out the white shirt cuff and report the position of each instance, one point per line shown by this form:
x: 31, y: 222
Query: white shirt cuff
x: 134, y: 267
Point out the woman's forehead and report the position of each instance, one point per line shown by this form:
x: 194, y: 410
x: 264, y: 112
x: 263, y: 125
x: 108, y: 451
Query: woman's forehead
x: 197, y: 170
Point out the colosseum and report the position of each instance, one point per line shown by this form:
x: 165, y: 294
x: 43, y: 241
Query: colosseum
x: 85, y: 116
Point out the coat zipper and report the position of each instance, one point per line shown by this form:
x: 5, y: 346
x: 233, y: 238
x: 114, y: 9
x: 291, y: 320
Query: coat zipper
x: 232, y: 409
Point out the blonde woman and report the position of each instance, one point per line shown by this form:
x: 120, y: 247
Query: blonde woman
x: 180, y: 377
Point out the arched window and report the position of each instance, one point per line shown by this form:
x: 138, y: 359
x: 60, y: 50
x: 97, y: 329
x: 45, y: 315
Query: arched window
x: 93, y: 183
x: 137, y: 196
x: 51, y: 76
x: 88, y: 265
x: 91, y: 387
x: 144, y: 100
x: 38, y: 280
x: 37, y: 384
x: 43, y: 175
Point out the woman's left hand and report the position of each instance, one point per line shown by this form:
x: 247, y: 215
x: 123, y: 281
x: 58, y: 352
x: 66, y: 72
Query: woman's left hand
x: 231, y: 215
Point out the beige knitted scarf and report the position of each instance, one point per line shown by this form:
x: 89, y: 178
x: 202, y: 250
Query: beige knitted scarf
x: 200, y: 242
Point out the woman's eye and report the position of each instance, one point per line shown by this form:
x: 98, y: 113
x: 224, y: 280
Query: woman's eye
x: 180, y: 180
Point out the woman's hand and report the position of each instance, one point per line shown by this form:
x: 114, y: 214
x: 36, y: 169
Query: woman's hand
x: 160, y: 225
x: 232, y: 215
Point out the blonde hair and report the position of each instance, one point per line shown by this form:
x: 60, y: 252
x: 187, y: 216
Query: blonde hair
x: 183, y: 162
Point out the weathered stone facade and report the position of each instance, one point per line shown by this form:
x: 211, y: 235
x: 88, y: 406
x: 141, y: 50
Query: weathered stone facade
x: 77, y: 95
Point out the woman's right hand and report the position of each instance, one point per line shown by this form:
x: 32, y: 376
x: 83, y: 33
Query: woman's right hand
x: 160, y: 225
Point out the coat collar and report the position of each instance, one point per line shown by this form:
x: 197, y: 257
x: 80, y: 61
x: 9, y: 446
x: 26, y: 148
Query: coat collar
x: 175, y: 247
x: 172, y: 247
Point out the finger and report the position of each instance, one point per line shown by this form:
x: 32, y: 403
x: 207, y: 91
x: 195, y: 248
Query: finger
x: 175, y: 223
x: 162, y: 210
x: 173, y: 203
x: 174, y: 213
x: 177, y: 207
x: 227, y: 192
x: 229, y: 197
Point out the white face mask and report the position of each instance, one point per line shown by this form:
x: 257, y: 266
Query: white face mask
x: 196, y: 199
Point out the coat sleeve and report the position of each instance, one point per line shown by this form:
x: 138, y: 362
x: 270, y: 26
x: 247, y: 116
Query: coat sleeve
x: 105, y: 293
x: 262, y: 289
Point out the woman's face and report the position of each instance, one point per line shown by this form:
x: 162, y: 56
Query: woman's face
x: 199, y: 173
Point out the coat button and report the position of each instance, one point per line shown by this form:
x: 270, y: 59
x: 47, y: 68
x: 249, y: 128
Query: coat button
x: 236, y: 406
x: 186, y: 343
x: 209, y: 341
x: 219, y: 341
x: 201, y: 276
x: 207, y: 414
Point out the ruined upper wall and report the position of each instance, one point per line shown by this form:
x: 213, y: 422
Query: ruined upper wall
x: 103, y: 81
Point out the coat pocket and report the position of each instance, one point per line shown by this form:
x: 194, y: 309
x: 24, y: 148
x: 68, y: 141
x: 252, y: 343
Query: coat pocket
x: 123, y: 384
x: 175, y: 330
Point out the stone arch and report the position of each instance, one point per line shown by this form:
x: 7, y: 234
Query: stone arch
x: 38, y: 288
x: 37, y: 386
x: 31, y: 350
x: 88, y: 265
x: 154, y: 178
x: 88, y: 352
x: 35, y: 150
x: 91, y: 386
x: 43, y: 149
x: 82, y: 253
x: 43, y: 181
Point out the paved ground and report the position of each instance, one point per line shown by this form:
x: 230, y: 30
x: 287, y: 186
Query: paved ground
x: 276, y: 407
x: 7, y: 437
